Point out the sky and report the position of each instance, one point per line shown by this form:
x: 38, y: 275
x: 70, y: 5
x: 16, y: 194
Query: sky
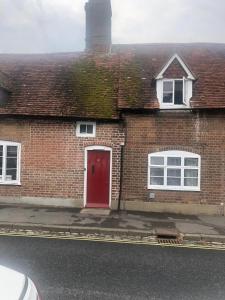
x: 37, y: 26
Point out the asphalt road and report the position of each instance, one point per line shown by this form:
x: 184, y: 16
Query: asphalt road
x: 65, y: 269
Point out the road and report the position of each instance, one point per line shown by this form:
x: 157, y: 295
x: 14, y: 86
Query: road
x: 66, y: 269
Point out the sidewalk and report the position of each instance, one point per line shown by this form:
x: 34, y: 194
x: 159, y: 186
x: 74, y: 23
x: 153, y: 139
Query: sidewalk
x: 193, y: 228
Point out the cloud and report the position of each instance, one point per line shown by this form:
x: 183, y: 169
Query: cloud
x: 56, y: 25
x: 169, y: 21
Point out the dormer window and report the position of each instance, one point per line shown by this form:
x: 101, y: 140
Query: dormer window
x: 4, y: 95
x: 173, y: 91
x: 174, y: 85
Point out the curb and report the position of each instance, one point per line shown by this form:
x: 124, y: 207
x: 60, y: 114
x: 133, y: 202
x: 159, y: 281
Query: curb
x: 77, y: 229
x: 186, y: 238
x: 204, y: 238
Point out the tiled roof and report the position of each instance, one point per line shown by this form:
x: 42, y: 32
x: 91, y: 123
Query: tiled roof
x: 205, y: 61
x: 62, y: 85
x: 77, y: 85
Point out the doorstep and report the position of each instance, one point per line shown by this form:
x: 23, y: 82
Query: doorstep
x: 95, y: 211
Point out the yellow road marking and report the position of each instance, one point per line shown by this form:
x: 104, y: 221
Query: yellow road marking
x: 113, y: 240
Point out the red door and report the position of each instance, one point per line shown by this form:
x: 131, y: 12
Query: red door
x: 98, y: 178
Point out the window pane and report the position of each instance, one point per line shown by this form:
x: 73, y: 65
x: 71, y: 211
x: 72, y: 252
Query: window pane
x: 157, y: 161
x: 178, y: 93
x: 83, y: 128
x: 174, y: 172
x: 157, y: 181
x: 190, y: 182
x: 1, y: 151
x: 1, y: 162
x: 168, y: 92
x: 89, y: 129
x: 191, y: 162
x: 190, y: 173
x: 11, y: 151
x: 157, y: 172
x: 11, y: 163
x: 174, y: 161
x: 11, y: 174
x: 167, y: 97
x: 173, y: 181
x: 168, y: 86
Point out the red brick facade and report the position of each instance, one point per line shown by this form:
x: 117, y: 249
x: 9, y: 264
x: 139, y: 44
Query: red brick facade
x: 200, y: 133
x: 52, y: 157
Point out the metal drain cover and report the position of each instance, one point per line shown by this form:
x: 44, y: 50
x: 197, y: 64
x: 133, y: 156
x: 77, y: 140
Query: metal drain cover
x: 168, y: 236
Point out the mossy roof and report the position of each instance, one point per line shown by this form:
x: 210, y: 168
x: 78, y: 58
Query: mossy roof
x: 62, y: 85
x: 98, y: 87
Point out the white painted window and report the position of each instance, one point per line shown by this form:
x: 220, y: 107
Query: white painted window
x: 9, y: 162
x: 86, y: 129
x: 174, y: 170
x: 174, y: 93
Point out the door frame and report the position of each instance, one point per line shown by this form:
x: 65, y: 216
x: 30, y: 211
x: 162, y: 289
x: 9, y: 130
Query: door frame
x: 101, y: 148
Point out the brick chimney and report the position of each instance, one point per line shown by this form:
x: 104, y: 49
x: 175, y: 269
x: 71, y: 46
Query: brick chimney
x: 98, y: 26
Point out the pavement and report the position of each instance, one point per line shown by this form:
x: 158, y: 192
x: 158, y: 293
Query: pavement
x: 158, y: 225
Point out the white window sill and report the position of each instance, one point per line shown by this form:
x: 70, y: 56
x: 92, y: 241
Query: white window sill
x: 86, y: 135
x: 10, y: 183
x: 174, y: 188
x: 162, y: 106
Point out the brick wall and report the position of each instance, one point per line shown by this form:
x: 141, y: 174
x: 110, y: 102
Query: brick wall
x: 52, y: 158
x: 202, y: 134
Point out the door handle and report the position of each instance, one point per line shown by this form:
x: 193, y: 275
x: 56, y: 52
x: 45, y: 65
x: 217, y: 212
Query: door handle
x: 92, y: 169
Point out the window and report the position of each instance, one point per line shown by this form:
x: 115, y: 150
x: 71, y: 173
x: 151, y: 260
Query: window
x: 173, y: 91
x: 9, y: 163
x: 174, y: 170
x: 86, y: 129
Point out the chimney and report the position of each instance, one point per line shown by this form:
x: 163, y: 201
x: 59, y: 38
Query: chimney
x: 98, y: 26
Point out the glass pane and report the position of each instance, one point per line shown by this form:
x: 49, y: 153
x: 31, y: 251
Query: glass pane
x: 178, y: 92
x: 157, y: 172
x: 11, y: 151
x: 11, y: 174
x: 11, y: 163
x: 167, y: 97
x: 90, y: 129
x: 83, y: 128
x: 0, y: 172
x: 174, y: 181
x: 174, y: 161
x: 157, y: 161
x: 190, y: 173
x: 0, y: 162
x: 191, y: 162
x: 157, y: 181
x: 1, y: 150
x: 190, y: 182
x: 168, y: 86
x: 174, y: 172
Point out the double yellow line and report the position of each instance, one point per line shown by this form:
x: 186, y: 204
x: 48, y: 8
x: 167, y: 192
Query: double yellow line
x: 219, y: 247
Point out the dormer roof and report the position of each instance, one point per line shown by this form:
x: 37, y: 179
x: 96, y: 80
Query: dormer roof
x: 182, y: 64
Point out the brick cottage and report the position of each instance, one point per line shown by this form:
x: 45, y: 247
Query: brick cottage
x: 136, y: 127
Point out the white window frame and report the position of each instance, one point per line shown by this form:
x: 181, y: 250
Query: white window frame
x: 182, y: 155
x: 187, y: 85
x: 3, y: 181
x: 173, y: 81
x: 79, y: 134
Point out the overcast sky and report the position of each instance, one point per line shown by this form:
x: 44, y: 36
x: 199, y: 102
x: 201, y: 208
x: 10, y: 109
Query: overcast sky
x: 58, y: 25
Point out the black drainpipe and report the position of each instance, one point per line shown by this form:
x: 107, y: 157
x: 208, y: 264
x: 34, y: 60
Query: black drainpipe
x: 121, y: 177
